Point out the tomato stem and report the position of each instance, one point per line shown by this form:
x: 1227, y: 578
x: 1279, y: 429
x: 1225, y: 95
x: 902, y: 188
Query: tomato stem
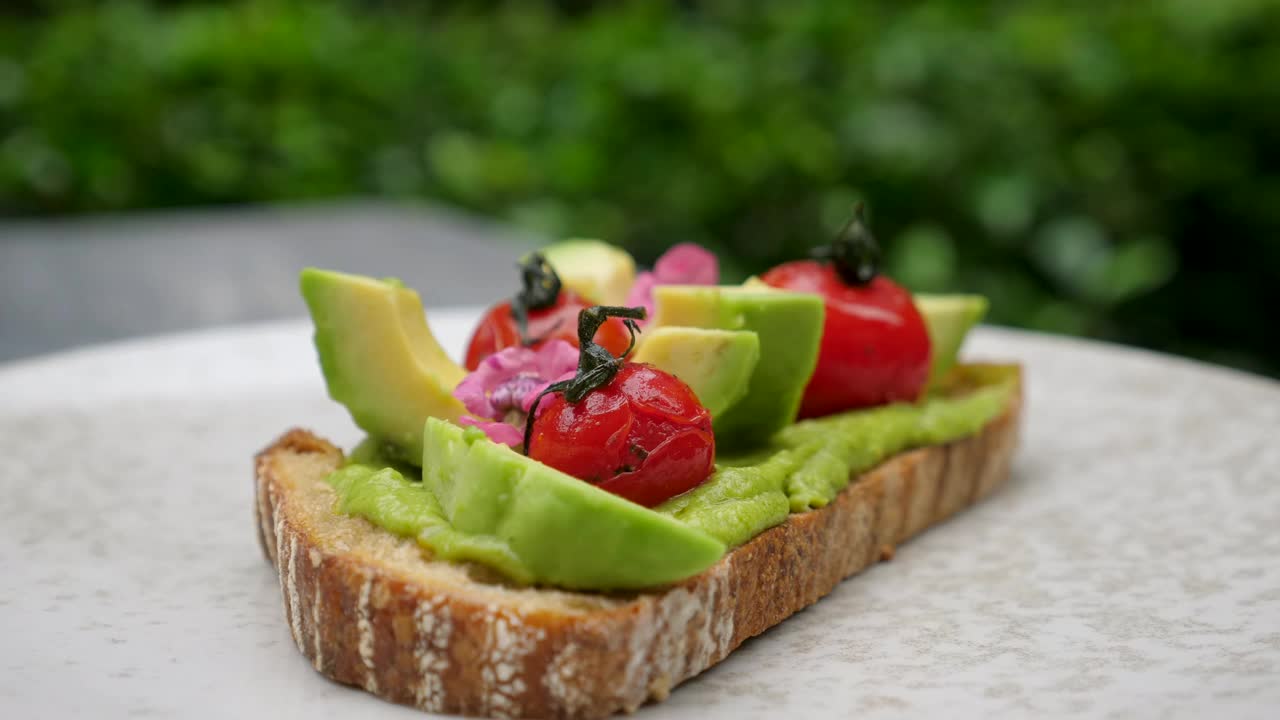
x: 539, y: 289
x: 596, y: 365
x: 854, y: 252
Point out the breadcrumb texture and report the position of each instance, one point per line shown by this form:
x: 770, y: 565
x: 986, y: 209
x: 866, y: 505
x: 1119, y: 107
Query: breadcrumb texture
x: 374, y: 610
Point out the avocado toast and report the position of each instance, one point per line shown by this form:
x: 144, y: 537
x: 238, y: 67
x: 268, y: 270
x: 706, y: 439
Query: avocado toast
x: 489, y: 583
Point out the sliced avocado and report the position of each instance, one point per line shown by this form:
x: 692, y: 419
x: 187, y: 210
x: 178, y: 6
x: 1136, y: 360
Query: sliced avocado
x: 716, y: 364
x: 598, y: 271
x: 789, y: 326
x: 948, y: 319
x: 553, y: 527
x: 379, y: 357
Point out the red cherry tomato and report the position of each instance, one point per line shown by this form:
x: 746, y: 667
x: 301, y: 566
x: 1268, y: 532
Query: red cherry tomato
x: 875, y: 347
x: 643, y: 436
x: 498, y: 330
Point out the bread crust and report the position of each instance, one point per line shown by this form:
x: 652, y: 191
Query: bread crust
x: 375, y: 612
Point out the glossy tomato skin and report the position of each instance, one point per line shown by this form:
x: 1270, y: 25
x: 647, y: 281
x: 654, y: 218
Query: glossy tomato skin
x: 875, y: 346
x: 498, y: 330
x: 643, y: 436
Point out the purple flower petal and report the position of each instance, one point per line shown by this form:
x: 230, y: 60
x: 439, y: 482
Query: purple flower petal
x: 505, y: 379
x: 683, y: 264
x: 555, y: 358
x: 501, y: 390
x: 687, y: 264
x: 498, y: 432
x: 533, y: 394
x: 642, y: 292
x: 471, y: 393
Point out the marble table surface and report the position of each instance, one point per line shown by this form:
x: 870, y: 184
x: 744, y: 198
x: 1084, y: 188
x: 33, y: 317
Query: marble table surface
x: 1130, y: 569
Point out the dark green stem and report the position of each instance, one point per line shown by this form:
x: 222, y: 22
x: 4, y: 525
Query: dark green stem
x: 855, y: 252
x: 539, y: 289
x: 596, y: 365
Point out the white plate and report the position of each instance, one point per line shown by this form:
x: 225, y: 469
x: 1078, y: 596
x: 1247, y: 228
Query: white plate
x: 1131, y: 566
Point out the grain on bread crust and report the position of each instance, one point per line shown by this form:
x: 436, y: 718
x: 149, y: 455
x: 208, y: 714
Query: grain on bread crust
x: 373, y: 610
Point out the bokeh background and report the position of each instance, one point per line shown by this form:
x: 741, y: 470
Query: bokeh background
x: 1108, y: 169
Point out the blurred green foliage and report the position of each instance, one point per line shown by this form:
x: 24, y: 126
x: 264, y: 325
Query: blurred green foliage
x: 1100, y: 168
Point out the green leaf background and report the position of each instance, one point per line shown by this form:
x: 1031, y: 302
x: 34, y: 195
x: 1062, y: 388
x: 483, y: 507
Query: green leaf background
x: 1109, y: 169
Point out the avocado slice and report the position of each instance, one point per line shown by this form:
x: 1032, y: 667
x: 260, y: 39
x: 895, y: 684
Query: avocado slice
x: 948, y: 319
x: 716, y: 364
x: 596, y: 270
x: 546, y: 524
x: 789, y: 326
x: 380, y: 359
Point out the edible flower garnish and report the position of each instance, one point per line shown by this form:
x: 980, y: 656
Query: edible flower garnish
x: 499, y: 393
x: 683, y: 264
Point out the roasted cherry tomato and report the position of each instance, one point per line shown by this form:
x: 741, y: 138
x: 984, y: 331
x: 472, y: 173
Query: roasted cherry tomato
x: 498, y: 328
x: 541, y: 311
x: 643, y: 436
x: 875, y: 347
x: 628, y: 428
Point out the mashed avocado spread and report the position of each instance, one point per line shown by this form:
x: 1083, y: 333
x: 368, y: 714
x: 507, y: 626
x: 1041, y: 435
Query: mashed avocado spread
x: 804, y: 467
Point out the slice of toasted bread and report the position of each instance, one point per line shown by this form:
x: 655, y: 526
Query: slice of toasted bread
x: 373, y: 610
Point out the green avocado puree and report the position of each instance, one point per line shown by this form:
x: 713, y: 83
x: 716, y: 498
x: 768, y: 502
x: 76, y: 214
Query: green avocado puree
x: 807, y: 464
x: 804, y: 467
